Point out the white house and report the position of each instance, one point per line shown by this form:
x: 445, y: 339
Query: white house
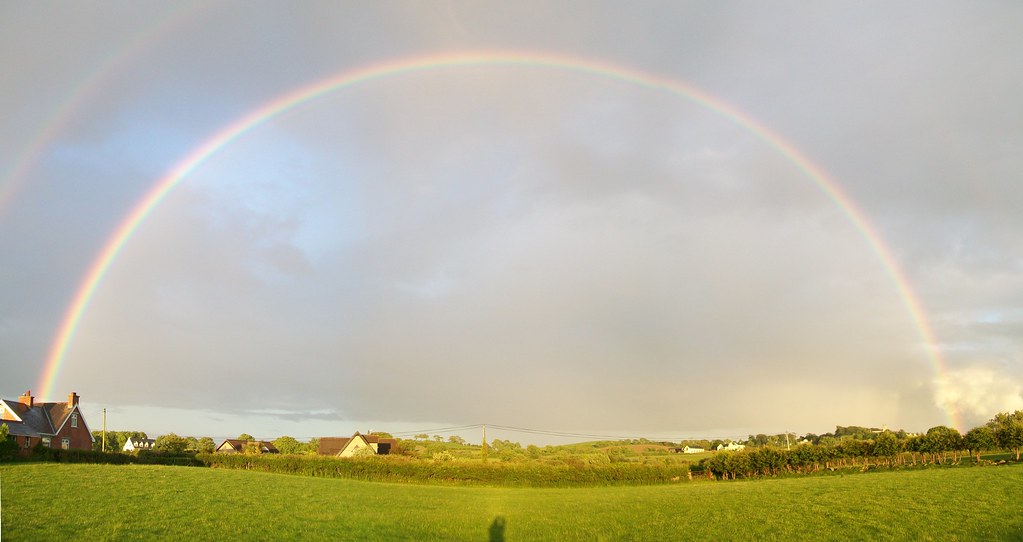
x: 692, y: 450
x: 731, y: 446
x: 347, y: 446
x: 138, y: 444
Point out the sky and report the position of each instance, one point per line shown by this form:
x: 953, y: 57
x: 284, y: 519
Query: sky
x: 521, y: 244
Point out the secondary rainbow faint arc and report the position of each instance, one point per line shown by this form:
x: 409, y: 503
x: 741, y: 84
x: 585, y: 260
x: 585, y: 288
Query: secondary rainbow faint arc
x: 285, y: 102
x: 63, y: 114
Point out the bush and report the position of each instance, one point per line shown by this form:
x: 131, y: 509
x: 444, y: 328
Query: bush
x: 443, y: 456
x: 8, y: 446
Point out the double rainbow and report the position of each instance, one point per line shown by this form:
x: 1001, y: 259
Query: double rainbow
x: 282, y: 104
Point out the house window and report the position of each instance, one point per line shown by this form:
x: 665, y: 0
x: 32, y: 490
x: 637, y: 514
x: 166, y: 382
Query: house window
x: 74, y: 420
x: 46, y: 441
x: 65, y: 443
x: 28, y: 442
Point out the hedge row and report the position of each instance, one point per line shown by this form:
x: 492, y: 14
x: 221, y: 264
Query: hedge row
x: 112, y: 458
x: 402, y: 469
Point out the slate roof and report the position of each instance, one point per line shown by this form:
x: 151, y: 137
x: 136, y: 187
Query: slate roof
x: 57, y: 413
x: 41, y: 419
x: 19, y: 429
x: 239, y: 445
x: 334, y: 445
x: 141, y: 442
x: 34, y: 420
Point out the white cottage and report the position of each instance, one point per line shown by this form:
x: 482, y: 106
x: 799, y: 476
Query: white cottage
x: 134, y: 444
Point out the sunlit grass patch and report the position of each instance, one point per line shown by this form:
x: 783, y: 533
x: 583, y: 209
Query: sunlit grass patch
x: 105, y: 502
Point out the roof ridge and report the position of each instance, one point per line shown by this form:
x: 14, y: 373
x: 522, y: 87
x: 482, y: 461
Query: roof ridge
x: 49, y: 420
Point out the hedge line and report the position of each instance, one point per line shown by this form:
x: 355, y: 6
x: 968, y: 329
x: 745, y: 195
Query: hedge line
x: 111, y: 458
x: 401, y: 469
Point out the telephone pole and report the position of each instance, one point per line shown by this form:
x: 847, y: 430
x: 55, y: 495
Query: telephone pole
x: 484, y: 442
x: 104, y: 448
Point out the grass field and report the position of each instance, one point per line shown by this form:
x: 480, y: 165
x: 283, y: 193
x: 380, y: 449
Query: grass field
x: 101, y: 502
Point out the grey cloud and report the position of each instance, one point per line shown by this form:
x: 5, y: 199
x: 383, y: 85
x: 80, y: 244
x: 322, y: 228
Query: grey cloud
x: 519, y: 244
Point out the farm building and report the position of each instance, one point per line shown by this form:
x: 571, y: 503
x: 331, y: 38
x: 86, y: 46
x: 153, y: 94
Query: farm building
x: 347, y: 446
x: 53, y: 425
x: 731, y: 446
x: 237, y: 446
x: 138, y: 444
x: 693, y: 450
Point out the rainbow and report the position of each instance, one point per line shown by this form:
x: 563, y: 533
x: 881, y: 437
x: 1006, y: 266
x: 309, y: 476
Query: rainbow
x: 145, y: 38
x: 306, y: 94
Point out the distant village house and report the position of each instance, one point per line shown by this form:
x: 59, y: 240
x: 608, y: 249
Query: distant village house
x: 348, y: 446
x: 731, y: 446
x: 52, y: 425
x: 236, y: 446
x: 134, y: 444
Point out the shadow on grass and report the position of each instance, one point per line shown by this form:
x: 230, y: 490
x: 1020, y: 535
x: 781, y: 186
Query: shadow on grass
x: 497, y: 529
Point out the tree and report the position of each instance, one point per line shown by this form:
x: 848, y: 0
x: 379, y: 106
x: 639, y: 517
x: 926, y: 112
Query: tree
x: 193, y: 444
x: 403, y: 447
x: 252, y: 447
x: 312, y: 447
x: 1008, y: 429
x: 886, y: 445
x: 8, y: 446
x: 206, y: 445
x: 828, y: 441
x: 456, y: 439
x: 941, y: 439
x: 421, y: 436
x: 97, y: 441
x: 288, y: 445
x: 979, y: 439
x: 170, y: 443
x: 245, y: 437
x: 438, y: 438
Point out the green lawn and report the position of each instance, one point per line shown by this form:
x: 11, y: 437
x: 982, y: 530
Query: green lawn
x: 90, y: 502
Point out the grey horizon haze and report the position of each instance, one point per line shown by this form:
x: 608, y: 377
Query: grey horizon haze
x: 518, y: 245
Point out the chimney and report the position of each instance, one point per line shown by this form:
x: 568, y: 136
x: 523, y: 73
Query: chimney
x: 72, y: 399
x: 26, y: 398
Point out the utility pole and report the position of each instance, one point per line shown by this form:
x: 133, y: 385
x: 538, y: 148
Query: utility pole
x: 787, y: 440
x: 484, y: 442
x: 104, y: 448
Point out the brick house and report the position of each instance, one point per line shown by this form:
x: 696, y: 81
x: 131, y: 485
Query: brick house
x: 54, y: 425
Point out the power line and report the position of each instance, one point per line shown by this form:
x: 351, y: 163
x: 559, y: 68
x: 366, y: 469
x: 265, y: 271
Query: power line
x: 440, y: 430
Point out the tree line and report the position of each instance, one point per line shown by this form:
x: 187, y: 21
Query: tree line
x: 939, y: 445
x: 173, y: 443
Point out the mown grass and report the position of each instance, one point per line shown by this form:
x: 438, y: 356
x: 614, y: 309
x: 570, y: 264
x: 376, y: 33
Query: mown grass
x: 104, y: 502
